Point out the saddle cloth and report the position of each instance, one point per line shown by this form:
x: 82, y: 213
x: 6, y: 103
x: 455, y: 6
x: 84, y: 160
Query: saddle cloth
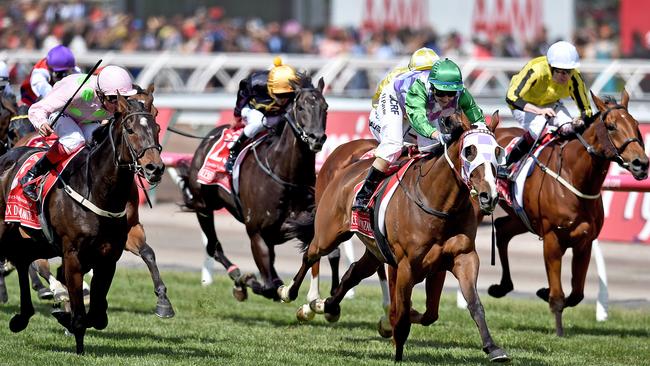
x: 213, y: 171
x: 20, y: 208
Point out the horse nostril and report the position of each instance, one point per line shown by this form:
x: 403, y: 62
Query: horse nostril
x: 154, y: 169
x: 639, y: 164
x: 484, y: 198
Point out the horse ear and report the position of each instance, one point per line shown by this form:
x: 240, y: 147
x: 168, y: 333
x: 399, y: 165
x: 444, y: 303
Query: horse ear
x: 599, y: 103
x: 321, y: 84
x: 464, y: 122
x: 149, y: 101
x: 150, y: 89
x: 122, y: 104
x: 625, y: 98
x: 494, y: 121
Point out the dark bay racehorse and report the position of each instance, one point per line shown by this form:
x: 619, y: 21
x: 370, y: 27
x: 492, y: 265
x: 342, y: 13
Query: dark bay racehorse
x: 8, y: 110
x: 570, y: 214
x: 86, y: 239
x: 21, y: 131
x: 276, y: 184
x: 431, y: 224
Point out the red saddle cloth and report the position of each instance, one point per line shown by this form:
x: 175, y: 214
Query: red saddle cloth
x: 20, y: 208
x: 40, y: 141
x: 213, y: 171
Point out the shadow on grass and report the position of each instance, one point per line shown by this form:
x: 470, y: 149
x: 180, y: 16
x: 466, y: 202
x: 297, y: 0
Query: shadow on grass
x: 178, y: 353
x: 590, y: 331
x: 256, y: 320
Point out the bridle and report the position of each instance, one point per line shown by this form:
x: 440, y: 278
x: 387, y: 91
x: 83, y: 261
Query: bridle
x: 611, y: 152
x: 290, y: 117
x: 135, y: 155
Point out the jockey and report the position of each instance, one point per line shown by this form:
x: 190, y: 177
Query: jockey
x: 262, y: 99
x: 424, y: 98
x: 58, y: 63
x: 535, y: 95
x: 96, y: 101
x: 5, y: 88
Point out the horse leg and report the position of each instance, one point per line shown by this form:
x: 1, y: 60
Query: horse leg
x: 433, y: 288
x: 385, y: 327
x: 402, y: 304
x: 19, y: 321
x: 314, y: 291
x: 44, y: 292
x: 506, y: 228
x: 554, y: 295
x: 264, y: 256
x: 213, y: 248
x: 4, y: 296
x: 101, y: 282
x: 75, y: 321
x: 348, y: 250
x: 334, y: 258
x: 363, y: 268
x: 465, y: 269
x: 579, y: 266
x: 136, y: 243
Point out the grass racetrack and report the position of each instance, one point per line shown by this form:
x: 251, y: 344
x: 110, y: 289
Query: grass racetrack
x: 212, y: 328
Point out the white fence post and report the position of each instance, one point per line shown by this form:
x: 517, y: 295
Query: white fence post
x: 603, y: 296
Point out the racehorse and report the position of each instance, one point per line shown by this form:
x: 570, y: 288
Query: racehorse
x: 8, y: 110
x: 21, y: 133
x: 431, y: 224
x: 86, y: 236
x: 276, y: 182
x: 562, y: 199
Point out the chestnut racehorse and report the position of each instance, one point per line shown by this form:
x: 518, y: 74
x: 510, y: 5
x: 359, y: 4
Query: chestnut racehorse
x: 562, y: 199
x: 431, y: 224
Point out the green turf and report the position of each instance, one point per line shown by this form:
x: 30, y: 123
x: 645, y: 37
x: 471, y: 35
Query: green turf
x: 211, y: 328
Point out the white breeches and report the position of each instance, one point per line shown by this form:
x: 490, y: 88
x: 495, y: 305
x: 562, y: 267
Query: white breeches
x: 256, y: 121
x: 535, y: 122
x: 71, y: 135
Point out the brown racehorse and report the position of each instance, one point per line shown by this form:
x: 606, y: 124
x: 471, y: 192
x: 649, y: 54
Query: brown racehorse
x: 85, y: 237
x: 431, y: 225
x: 571, y: 215
x: 136, y: 243
x: 276, y: 185
x: 8, y: 110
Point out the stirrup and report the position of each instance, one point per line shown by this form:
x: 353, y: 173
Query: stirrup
x: 30, y: 191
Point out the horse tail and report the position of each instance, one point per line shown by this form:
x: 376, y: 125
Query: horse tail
x: 301, y: 227
x: 183, y: 180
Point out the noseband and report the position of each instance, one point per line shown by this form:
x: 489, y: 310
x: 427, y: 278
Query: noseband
x: 611, y: 152
x: 290, y: 117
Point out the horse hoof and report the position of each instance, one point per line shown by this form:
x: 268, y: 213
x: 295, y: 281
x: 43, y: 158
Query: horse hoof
x: 573, y: 300
x: 45, y: 293
x: 61, y: 295
x: 283, y: 292
x: 498, y: 355
x: 98, y: 322
x: 240, y: 293
x: 18, y: 323
x: 543, y: 293
x: 305, y: 314
x: 498, y: 291
x: 165, y: 311
x: 64, y: 318
x: 384, y: 328
x: 318, y: 306
x: 332, y: 318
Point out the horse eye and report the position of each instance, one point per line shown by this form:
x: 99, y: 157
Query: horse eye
x: 469, y: 152
x: 611, y: 126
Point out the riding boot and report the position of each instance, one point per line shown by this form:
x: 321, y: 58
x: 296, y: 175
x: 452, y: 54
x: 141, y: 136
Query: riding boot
x: 374, y: 177
x: 520, y: 149
x: 41, y: 167
x: 234, y: 151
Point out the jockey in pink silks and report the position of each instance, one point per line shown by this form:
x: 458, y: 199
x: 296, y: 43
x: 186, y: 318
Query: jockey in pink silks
x: 95, y: 101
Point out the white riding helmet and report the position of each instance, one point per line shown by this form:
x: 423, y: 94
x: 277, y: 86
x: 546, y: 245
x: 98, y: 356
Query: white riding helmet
x: 4, y: 73
x: 423, y: 59
x: 563, y: 55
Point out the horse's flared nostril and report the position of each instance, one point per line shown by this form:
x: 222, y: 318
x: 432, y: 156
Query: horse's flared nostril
x: 484, y: 198
x: 154, y: 169
x: 639, y: 164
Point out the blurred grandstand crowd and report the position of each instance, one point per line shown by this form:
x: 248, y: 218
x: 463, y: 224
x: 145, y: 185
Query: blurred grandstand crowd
x: 88, y: 26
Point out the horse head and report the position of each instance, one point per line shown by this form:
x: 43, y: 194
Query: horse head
x: 140, y: 136
x: 8, y: 109
x: 307, y: 114
x: 619, y: 137
x: 479, y: 154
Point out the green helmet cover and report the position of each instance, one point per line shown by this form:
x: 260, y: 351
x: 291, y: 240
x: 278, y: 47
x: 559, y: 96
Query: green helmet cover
x: 446, y: 75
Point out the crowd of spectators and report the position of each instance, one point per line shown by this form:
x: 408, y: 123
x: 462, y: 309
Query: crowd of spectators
x: 83, y: 26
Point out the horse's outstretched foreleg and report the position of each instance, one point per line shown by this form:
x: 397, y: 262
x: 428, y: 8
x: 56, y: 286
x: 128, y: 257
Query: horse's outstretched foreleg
x: 506, y: 228
x: 214, y: 249
x: 554, y: 294
x: 44, y: 292
x: 20, y: 320
x: 288, y: 293
x: 402, y: 304
x: 365, y: 267
x: 76, y: 322
x: 101, y: 283
x: 579, y: 266
x: 465, y: 268
x: 334, y: 258
x: 136, y: 244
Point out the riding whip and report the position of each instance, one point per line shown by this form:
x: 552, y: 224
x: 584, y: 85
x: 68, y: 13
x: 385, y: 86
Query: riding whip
x: 75, y: 93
